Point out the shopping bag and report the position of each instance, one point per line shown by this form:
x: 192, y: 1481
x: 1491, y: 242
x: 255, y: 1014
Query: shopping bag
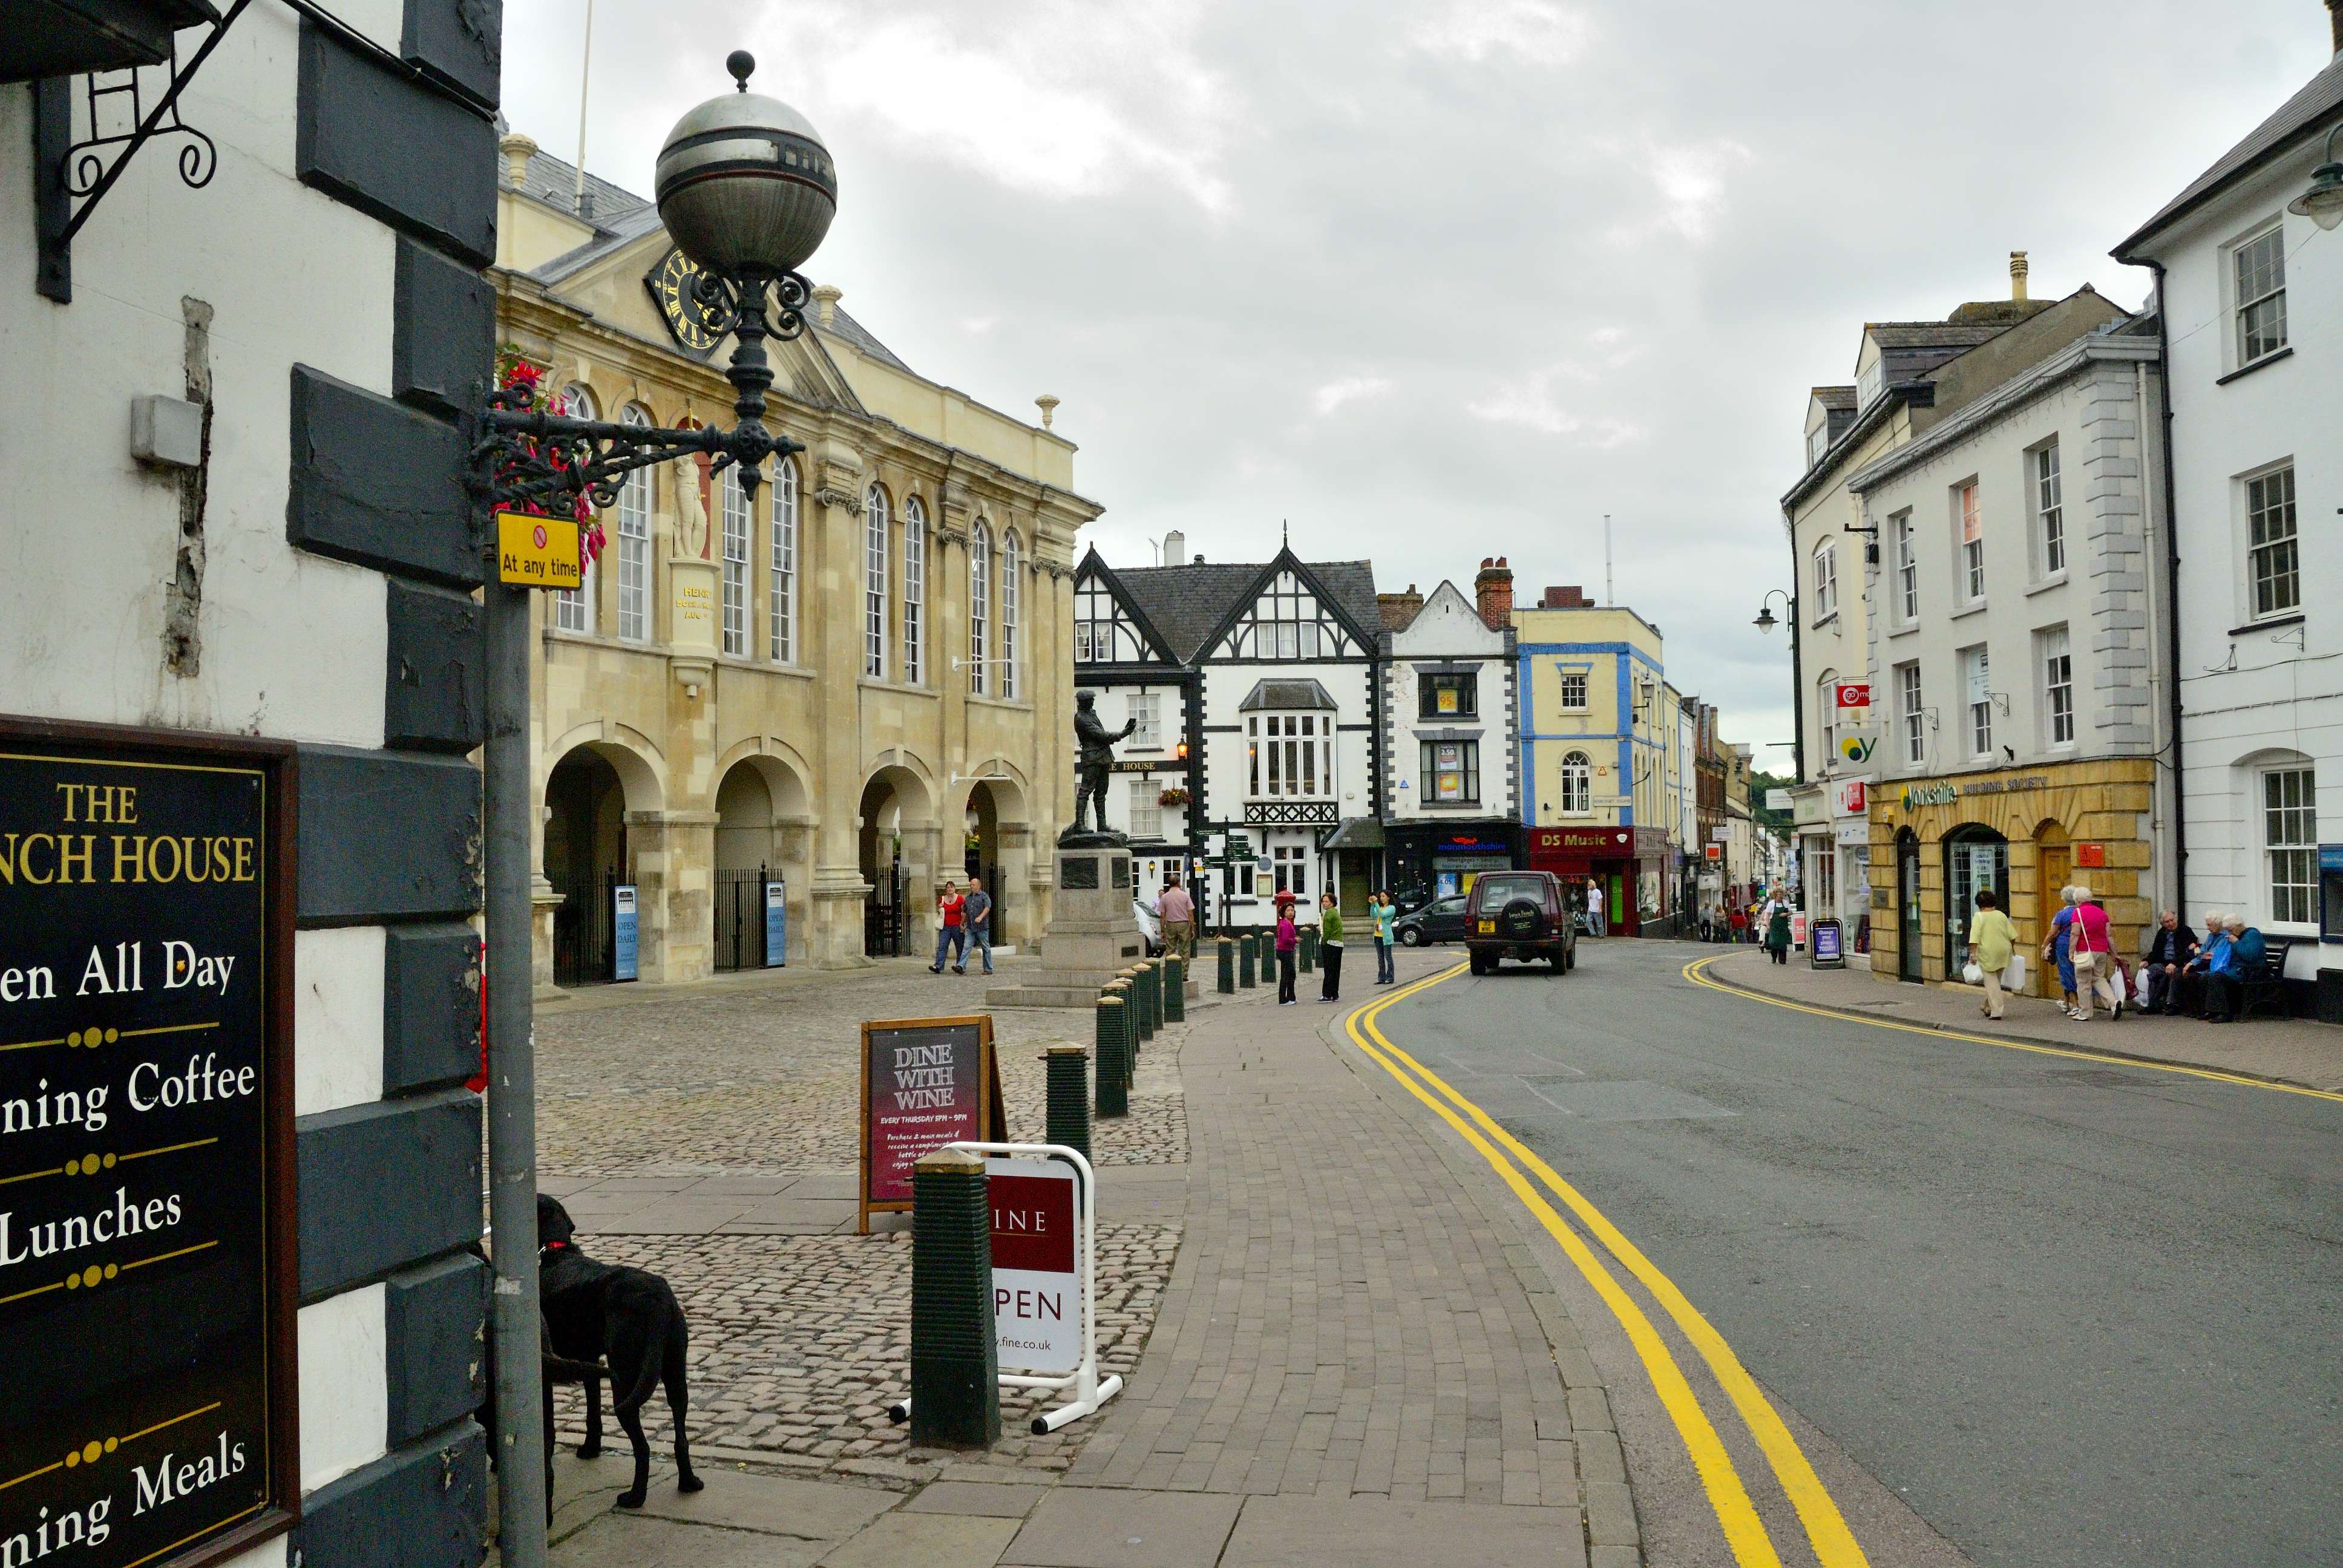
x: 1972, y: 975
x: 2014, y: 977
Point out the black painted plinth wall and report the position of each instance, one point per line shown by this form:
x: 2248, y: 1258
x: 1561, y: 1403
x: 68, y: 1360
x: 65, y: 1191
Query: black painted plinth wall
x: 390, y: 1191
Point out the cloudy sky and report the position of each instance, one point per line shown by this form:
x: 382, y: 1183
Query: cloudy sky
x: 1436, y: 279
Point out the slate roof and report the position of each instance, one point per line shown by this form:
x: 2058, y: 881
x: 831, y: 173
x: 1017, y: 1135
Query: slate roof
x: 1284, y: 694
x: 1838, y: 399
x: 620, y: 218
x: 1188, y: 603
x: 2308, y: 113
x: 1931, y: 333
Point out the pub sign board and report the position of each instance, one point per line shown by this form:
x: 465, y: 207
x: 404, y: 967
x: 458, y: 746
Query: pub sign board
x: 926, y: 1082
x: 147, y: 1267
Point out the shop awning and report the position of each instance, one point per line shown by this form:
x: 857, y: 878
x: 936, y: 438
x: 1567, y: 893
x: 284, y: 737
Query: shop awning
x: 1355, y: 833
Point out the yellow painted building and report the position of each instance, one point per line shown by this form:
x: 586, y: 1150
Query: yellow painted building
x: 2028, y: 831
x: 847, y: 692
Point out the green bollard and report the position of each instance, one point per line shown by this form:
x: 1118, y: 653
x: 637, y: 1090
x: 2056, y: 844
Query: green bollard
x: 1154, y: 998
x: 1069, y: 1106
x: 1175, y: 993
x: 1111, y: 1085
x: 1225, y: 983
x: 955, y: 1359
x: 1246, y: 968
x: 1309, y: 945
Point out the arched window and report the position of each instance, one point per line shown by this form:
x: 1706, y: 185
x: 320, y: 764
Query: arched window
x: 635, y: 544
x: 915, y: 591
x: 1826, y: 707
x: 737, y: 529
x: 1577, y: 785
x: 874, y: 584
x: 1012, y: 561
x: 573, y: 608
x: 979, y: 603
x: 784, y: 608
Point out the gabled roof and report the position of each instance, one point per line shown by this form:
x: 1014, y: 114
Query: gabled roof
x: 1093, y: 565
x: 2309, y: 113
x: 1838, y: 399
x: 1195, y: 603
x: 1930, y: 334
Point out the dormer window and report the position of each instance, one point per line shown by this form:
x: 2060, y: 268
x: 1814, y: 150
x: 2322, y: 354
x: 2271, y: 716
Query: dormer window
x: 1871, y: 383
x: 1817, y: 443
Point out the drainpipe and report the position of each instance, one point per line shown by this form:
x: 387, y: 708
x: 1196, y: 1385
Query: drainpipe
x: 1797, y: 696
x: 2171, y: 588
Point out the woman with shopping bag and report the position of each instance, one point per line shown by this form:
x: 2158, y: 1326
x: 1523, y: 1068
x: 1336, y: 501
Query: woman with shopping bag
x: 1992, y: 941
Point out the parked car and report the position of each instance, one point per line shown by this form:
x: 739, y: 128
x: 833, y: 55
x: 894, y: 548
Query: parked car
x: 1520, y: 915
x: 1440, y: 920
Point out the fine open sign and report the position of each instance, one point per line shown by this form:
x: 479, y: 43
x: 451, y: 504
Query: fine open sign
x: 1037, y: 1294
x: 145, y: 1126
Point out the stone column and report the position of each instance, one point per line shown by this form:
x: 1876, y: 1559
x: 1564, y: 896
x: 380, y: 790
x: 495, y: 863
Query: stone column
x: 924, y: 870
x: 673, y: 852
x: 795, y: 838
x: 831, y: 542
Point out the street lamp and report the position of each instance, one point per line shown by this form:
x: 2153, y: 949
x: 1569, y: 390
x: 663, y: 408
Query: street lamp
x: 2323, y: 201
x: 1765, y: 621
x: 746, y: 191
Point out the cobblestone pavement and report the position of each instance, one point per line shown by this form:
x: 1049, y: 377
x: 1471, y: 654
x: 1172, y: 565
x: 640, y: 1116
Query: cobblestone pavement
x: 733, y: 1079
x: 799, y: 1344
x: 800, y: 1341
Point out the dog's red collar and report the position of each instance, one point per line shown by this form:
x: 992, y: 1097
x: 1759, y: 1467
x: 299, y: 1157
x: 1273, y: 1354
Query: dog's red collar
x: 553, y: 1246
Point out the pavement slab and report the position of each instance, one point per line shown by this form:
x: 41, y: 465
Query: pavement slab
x: 618, y: 1540
x: 925, y: 1541
x: 1078, y: 1528
x: 1308, y: 1531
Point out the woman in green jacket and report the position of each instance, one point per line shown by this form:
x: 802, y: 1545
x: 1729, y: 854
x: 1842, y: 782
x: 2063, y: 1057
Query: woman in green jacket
x: 1330, y: 947
x: 1778, y: 934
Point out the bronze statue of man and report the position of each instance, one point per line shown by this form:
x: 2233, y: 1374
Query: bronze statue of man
x: 1095, y: 759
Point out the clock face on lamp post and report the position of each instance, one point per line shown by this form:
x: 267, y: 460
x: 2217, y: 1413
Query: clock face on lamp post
x: 691, y: 323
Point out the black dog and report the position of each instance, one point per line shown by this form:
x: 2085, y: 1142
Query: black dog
x: 597, y: 1310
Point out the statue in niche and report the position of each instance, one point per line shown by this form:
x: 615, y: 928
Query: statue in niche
x: 1093, y: 763
x: 691, y: 510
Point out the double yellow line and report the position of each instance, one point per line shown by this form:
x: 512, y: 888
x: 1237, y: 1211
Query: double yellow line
x: 1834, y: 1544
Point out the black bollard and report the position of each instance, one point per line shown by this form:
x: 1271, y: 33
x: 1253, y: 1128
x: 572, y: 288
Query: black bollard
x: 955, y: 1363
x: 1227, y: 978
x: 1245, y: 961
x: 1176, y: 992
x: 1069, y: 1118
x: 1111, y: 1088
x: 1308, y: 943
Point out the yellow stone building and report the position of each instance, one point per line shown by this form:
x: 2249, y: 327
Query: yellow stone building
x: 845, y: 693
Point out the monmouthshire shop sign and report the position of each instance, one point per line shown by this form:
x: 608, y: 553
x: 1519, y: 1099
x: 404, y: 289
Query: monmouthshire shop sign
x: 147, y: 1243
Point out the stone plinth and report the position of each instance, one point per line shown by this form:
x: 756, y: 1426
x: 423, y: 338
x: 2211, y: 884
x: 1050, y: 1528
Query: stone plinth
x: 1092, y: 935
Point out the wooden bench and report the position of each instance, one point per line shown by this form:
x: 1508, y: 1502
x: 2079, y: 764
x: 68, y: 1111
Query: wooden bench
x: 2264, y: 986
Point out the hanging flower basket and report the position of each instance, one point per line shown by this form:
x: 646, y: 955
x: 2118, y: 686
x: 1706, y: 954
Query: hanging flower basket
x: 1174, y: 796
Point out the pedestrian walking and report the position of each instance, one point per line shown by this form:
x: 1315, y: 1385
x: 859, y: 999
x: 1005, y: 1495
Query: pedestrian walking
x: 2055, y: 950
x: 950, y: 934
x: 1992, y: 941
x: 1777, y: 933
x: 1740, y: 921
x: 1177, y: 913
x: 975, y: 920
x: 1330, y: 948
x: 1384, y: 914
x: 1289, y: 939
x: 2091, y: 951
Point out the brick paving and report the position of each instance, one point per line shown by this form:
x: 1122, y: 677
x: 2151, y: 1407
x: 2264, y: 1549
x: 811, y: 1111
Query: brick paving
x: 1343, y: 1319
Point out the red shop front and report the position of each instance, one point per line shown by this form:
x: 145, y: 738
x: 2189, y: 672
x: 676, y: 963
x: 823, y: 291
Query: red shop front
x: 1625, y: 867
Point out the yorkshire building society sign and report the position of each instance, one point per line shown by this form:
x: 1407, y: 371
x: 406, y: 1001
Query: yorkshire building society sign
x: 147, y: 1247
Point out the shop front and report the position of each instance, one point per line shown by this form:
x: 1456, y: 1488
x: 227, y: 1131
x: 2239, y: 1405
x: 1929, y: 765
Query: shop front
x: 1622, y: 870
x: 1438, y: 860
x: 2026, y: 833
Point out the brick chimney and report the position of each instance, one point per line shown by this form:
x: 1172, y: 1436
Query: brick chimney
x: 1492, y: 592
x: 1398, y: 611
x: 1572, y: 597
x: 2335, y: 19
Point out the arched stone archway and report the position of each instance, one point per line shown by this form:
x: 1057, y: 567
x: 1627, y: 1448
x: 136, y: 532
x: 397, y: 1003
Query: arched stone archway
x: 996, y: 844
x: 594, y: 796
x: 900, y: 861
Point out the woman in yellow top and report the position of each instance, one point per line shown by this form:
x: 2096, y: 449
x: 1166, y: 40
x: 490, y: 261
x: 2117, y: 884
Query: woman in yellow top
x: 1992, y: 940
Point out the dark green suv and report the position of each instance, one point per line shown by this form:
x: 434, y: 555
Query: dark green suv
x: 1519, y: 915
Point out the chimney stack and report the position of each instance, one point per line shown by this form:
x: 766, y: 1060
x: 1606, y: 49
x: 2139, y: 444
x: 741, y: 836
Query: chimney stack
x: 1175, y: 548
x: 1572, y: 597
x: 826, y: 296
x: 1399, y: 610
x: 2018, y: 277
x: 1492, y: 592
x: 2334, y: 18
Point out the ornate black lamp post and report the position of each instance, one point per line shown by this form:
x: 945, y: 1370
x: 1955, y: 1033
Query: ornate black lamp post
x: 746, y: 191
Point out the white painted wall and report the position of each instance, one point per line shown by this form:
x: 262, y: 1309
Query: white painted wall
x: 1448, y: 629
x: 2255, y: 696
x: 293, y: 645
x: 1225, y: 759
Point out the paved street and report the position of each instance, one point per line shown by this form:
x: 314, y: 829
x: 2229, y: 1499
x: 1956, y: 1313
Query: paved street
x: 2015, y: 1308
